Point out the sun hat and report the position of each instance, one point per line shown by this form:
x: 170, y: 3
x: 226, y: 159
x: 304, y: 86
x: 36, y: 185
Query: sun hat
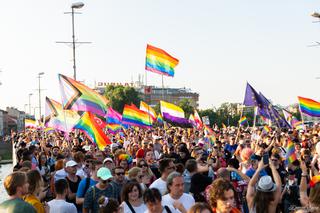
x: 104, y: 173
x: 107, y: 160
x: 266, y: 184
x: 71, y: 163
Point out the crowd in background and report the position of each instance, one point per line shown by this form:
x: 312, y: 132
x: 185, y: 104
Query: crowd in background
x: 166, y: 170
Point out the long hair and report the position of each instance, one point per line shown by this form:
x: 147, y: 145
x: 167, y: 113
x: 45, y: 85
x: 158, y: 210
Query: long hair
x: 315, y: 195
x: 262, y: 201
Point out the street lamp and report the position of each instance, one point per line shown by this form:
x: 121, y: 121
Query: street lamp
x: 76, y: 5
x: 315, y: 15
x: 39, y: 76
x: 25, y: 107
x: 30, y: 94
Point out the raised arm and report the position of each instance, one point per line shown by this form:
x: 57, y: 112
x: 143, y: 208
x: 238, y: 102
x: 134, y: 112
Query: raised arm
x: 304, y: 199
x: 277, y: 180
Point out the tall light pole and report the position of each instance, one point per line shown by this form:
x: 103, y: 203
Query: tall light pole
x: 30, y: 94
x: 39, y: 77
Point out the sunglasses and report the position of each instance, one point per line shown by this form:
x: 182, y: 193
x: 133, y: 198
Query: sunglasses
x: 120, y: 173
x: 106, y: 181
x: 143, y: 165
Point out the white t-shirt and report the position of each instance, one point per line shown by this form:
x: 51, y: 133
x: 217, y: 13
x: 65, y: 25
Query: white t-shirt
x: 142, y: 208
x: 159, y: 184
x: 61, y: 206
x: 186, y: 200
x: 173, y: 210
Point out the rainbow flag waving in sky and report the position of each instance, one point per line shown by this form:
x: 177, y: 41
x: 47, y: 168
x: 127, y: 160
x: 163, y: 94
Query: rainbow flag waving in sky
x: 160, y: 119
x: 79, y: 97
x: 243, y: 120
x: 309, y: 107
x: 159, y: 61
x: 88, y: 125
x: 135, y: 117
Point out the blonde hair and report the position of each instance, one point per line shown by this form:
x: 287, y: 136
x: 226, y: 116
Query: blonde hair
x: 133, y: 172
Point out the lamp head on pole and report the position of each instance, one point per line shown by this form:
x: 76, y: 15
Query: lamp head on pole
x: 315, y: 15
x: 77, y: 5
x: 41, y: 73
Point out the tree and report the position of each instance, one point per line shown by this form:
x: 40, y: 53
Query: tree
x: 120, y: 95
x: 186, y: 106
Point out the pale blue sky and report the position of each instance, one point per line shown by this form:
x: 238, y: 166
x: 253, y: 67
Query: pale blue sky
x: 220, y: 45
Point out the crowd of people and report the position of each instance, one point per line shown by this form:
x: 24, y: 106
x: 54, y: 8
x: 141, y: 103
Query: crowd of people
x: 158, y: 170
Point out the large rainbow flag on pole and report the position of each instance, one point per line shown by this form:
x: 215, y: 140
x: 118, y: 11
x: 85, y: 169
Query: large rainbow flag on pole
x: 309, y: 107
x: 133, y: 116
x: 88, y: 125
x: 159, y: 61
x: 291, y: 153
x: 78, y: 97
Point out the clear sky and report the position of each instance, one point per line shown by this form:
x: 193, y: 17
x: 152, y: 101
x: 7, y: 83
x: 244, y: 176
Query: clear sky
x: 220, y: 44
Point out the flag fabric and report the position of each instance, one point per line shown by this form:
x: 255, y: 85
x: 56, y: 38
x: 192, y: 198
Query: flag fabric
x: 113, y: 117
x: 293, y: 121
x: 148, y: 109
x: 88, y: 125
x: 224, y: 126
x: 100, y: 121
x: 208, y: 130
x: 159, y: 61
x: 197, y: 119
x: 272, y: 113
x: 174, y: 114
x: 29, y: 123
x: 266, y: 129
x: 314, y: 180
x: 192, y: 120
x: 160, y: 119
x: 133, y: 116
x: 243, y: 120
x: 252, y: 97
x: 291, y: 154
x: 114, y: 128
x: 78, y: 97
x: 49, y: 130
x: 309, y: 106
x: 58, y: 118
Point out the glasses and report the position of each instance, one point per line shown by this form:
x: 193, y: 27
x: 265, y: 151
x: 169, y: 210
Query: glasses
x: 120, y: 173
x: 143, y: 165
x: 274, y: 160
x: 106, y: 181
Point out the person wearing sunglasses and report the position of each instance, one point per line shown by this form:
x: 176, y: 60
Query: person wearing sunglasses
x: 119, y: 180
x: 149, y: 177
x: 102, y: 188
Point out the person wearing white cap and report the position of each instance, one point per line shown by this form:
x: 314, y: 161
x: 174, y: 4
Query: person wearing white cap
x: 264, y: 196
x: 73, y: 181
x: 102, y: 188
x: 108, y: 162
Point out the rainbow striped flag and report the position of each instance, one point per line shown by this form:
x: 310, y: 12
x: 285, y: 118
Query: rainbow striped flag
x: 309, y: 107
x: 192, y: 121
x: 148, y: 109
x: 78, y: 97
x: 314, y: 180
x: 58, y: 118
x: 291, y: 153
x: 49, y: 130
x: 160, y: 119
x: 266, y: 129
x: 114, y: 128
x: 88, y: 125
x: 243, y: 120
x: 159, y: 61
x: 135, y: 117
x: 208, y: 130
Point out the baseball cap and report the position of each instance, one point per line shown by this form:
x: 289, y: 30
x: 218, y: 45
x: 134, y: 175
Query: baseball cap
x: 265, y: 184
x: 107, y: 159
x: 104, y: 173
x: 71, y: 163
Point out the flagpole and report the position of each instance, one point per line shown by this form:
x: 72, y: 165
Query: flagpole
x: 255, y: 116
x: 302, y: 119
x: 239, y: 123
x: 162, y: 88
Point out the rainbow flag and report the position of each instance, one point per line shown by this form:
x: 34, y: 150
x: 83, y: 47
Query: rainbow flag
x: 88, y: 125
x: 208, y: 130
x: 135, y: 117
x: 49, y: 130
x: 243, y: 120
x: 159, y: 61
x: 291, y: 153
x: 293, y: 121
x: 113, y: 117
x: 160, y: 119
x: 114, y: 128
x: 174, y: 114
x: 148, y: 109
x: 224, y: 126
x: 309, y: 107
x: 78, y: 97
x: 266, y: 129
x: 58, y: 118
x: 314, y: 180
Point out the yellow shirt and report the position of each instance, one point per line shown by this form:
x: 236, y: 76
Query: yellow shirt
x: 35, y: 202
